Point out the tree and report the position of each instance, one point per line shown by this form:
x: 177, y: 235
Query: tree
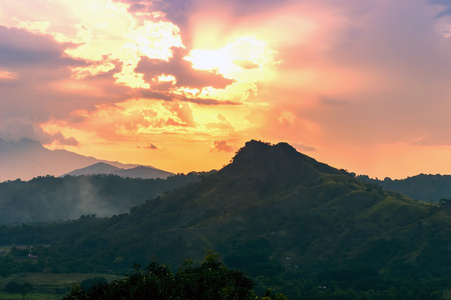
x: 210, y: 280
x: 445, y: 203
x: 26, y: 288
x: 14, y: 287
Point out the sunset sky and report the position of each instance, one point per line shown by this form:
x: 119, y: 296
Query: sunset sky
x: 363, y: 85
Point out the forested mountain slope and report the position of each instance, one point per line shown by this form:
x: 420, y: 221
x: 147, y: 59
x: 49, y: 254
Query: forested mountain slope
x: 278, y: 215
x: 50, y: 199
x: 423, y: 187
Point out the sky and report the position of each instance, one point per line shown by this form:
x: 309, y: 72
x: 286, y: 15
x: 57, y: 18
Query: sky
x: 181, y: 85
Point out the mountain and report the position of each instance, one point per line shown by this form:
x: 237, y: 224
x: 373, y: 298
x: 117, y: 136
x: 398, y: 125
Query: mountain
x: 136, y: 172
x: 95, y: 169
x: 423, y: 187
x: 26, y: 159
x: 289, y: 221
x: 143, y: 172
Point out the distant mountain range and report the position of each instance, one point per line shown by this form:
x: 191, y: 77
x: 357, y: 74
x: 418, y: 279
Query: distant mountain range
x: 136, y: 172
x: 26, y: 159
x: 423, y: 187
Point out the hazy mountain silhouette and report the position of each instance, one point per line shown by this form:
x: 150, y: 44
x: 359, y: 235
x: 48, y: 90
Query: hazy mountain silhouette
x: 136, y: 172
x: 26, y: 159
x: 97, y: 168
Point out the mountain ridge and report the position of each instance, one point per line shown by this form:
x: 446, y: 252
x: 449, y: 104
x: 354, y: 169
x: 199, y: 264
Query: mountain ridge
x: 139, y: 171
x: 25, y: 159
x: 423, y: 187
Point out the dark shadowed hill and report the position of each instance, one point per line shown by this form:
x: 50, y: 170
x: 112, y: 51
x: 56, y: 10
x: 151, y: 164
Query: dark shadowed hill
x: 278, y: 215
x: 423, y: 187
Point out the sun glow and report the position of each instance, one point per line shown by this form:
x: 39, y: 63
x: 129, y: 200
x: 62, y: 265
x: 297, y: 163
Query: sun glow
x: 167, y: 78
x: 237, y: 60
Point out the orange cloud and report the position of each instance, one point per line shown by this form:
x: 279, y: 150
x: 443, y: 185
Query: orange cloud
x: 221, y: 146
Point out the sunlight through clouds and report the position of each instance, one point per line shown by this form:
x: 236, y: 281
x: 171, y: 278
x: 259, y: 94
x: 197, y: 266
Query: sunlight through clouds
x: 184, y: 74
x: 244, y: 59
x: 154, y: 40
x: 103, y: 31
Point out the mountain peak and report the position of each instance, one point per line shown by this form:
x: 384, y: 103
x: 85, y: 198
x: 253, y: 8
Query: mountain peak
x: 97, y: 168
x: 279, y: 162
x: 19, y: 145
x: 252, y: 149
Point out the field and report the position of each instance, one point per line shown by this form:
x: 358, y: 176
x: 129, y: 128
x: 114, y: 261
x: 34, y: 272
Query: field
x: 46, y: 286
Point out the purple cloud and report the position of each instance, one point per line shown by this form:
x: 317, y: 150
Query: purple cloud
x: 447, y: 7
x: 182, y: 70
x: 39, y: 85
x: 19, y: 47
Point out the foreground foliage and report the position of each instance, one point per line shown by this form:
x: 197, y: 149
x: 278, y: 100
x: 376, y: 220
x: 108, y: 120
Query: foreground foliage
x: 210, y: 280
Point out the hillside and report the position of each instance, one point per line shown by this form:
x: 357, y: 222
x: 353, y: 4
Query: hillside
x: 423, y: 187
x: 50, y: 199
x: 284, y: 218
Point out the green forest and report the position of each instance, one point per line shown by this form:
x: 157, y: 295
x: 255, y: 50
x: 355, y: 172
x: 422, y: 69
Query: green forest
x: 423, y: 187
x: 50, y: 199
